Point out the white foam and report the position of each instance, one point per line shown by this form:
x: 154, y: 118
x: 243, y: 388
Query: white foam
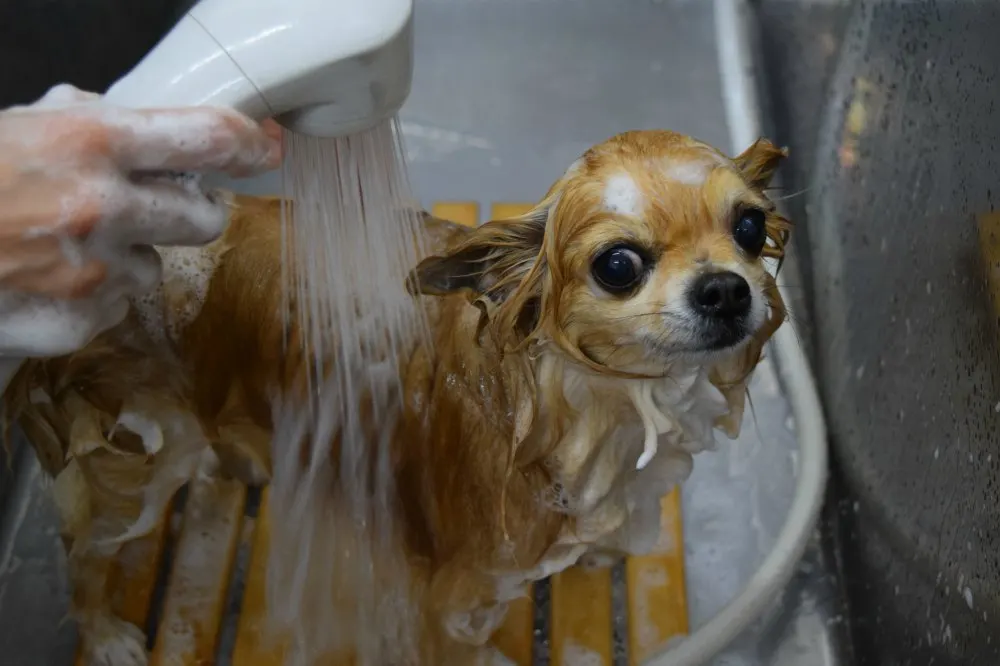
x: 187, y: 274
x: 575, y: 654
x: 37, y: 326
x: 146, y: 428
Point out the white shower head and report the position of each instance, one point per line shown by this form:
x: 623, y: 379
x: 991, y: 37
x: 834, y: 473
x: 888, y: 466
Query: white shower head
x: 319, y: 67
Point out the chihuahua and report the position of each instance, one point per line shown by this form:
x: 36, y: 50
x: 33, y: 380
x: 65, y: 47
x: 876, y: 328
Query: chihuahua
x: 579, y: 355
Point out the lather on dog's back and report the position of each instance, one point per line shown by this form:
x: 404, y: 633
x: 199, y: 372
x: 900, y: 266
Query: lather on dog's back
x: 581, y: 353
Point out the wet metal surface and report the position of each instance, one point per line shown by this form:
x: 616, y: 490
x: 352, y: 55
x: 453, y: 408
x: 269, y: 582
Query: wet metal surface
x: 33, y: 594
x: 904, y: 167
x: 505, y: 96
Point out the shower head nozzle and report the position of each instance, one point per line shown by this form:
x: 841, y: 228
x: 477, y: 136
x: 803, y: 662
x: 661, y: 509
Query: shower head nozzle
x: 319, y: 67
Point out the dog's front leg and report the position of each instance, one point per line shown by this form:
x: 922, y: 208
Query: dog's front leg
x: 105, y: 638
x: 466, y: 601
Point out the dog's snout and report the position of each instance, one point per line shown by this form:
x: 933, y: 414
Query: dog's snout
x: 723, y: 295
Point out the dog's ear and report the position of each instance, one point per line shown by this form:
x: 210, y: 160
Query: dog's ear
x: 759, y: 162
x: 490, y: 261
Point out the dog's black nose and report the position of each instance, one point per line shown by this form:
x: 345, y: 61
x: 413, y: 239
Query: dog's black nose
x: 722, y: 295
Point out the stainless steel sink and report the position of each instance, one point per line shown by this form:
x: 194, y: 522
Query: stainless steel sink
x: 890, y: 107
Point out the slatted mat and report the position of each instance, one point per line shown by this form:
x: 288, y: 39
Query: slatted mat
x: 202, y: 586
x: 253, y: 647
x: 199, y: 579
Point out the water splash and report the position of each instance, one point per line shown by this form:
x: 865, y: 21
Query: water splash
x: 337, y: 578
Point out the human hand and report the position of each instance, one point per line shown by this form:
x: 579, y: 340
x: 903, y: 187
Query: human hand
x: 85, y: 191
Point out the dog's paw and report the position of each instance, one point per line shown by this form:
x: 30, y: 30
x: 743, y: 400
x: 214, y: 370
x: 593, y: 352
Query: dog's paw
x: 111, y: 641
x: 475, y: 627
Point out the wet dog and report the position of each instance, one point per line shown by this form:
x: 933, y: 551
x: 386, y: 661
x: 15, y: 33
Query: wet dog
x: 580, y: 354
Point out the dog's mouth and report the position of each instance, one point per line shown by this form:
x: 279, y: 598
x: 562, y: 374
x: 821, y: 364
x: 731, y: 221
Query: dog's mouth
x: 716, y: 335
x: 703, y: 335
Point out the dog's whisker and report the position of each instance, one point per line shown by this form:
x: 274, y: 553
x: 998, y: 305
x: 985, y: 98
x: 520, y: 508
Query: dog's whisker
x: 791, y: 196
x: 666, y: 314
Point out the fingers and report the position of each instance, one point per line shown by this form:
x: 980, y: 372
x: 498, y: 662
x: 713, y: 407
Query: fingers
x: 63, y: 280
x: 58, y: 327
x: 115, y: 211
x: 186, y: 139
x: 81, y: 222
x: 160, y: 212
x: 56, y: 265
x: 74, y: 282
x: 38, y: 208
x: 276, y: 134
x: 33, y: 327
x: 194, y: 139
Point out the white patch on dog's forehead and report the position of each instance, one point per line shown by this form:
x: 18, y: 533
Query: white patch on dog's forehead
x: 622, y: 195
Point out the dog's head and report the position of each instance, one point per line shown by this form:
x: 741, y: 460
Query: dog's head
x: 646, y: 252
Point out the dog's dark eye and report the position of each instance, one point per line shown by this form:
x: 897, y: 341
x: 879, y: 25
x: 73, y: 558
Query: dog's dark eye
x: 617, y: 269
x: 750, y: 230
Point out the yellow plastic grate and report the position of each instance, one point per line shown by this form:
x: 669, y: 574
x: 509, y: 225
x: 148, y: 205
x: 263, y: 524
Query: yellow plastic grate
x: 581, y: 617
x: 199, y: 578
x: 657, y: 593
x: 214, y: 525
x: 253, y: 646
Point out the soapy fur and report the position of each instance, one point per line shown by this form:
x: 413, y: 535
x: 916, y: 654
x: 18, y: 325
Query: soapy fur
x: 543, y: 421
